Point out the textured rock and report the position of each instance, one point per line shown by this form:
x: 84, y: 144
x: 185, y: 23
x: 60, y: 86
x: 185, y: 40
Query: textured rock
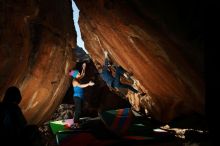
x: 35, y: 45
x: 159, y: 68
x: 35, y: 55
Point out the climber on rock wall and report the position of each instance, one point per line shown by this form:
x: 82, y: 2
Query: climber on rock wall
x: 114, y: 81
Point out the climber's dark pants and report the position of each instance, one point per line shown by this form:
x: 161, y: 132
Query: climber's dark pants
x: 116, y: 82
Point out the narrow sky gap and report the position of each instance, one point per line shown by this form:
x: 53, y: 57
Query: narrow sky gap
x: 79, y: 40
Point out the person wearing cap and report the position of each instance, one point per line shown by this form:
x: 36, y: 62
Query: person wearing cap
x: 78, y: 92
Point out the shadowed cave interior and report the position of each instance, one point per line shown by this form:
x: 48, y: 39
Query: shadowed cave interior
x: 160, y: 43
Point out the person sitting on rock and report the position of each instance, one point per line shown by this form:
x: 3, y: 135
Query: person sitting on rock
x: 14, y: 129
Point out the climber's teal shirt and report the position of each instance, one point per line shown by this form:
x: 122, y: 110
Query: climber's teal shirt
x: 78, y: 92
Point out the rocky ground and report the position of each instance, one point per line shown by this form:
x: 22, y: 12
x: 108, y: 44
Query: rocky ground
x: 64, y: 111
x: 191, y: 131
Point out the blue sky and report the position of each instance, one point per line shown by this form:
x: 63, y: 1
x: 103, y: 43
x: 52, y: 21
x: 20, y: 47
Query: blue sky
x: 79, y: 40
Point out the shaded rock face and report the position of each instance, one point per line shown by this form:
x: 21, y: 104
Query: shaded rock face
x: 35, y: 55
x: 157, y: 62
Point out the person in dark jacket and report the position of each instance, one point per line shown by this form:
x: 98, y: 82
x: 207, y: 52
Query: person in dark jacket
x: 13, y: 125
x: 114, y: 81
x: 12, y: 119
